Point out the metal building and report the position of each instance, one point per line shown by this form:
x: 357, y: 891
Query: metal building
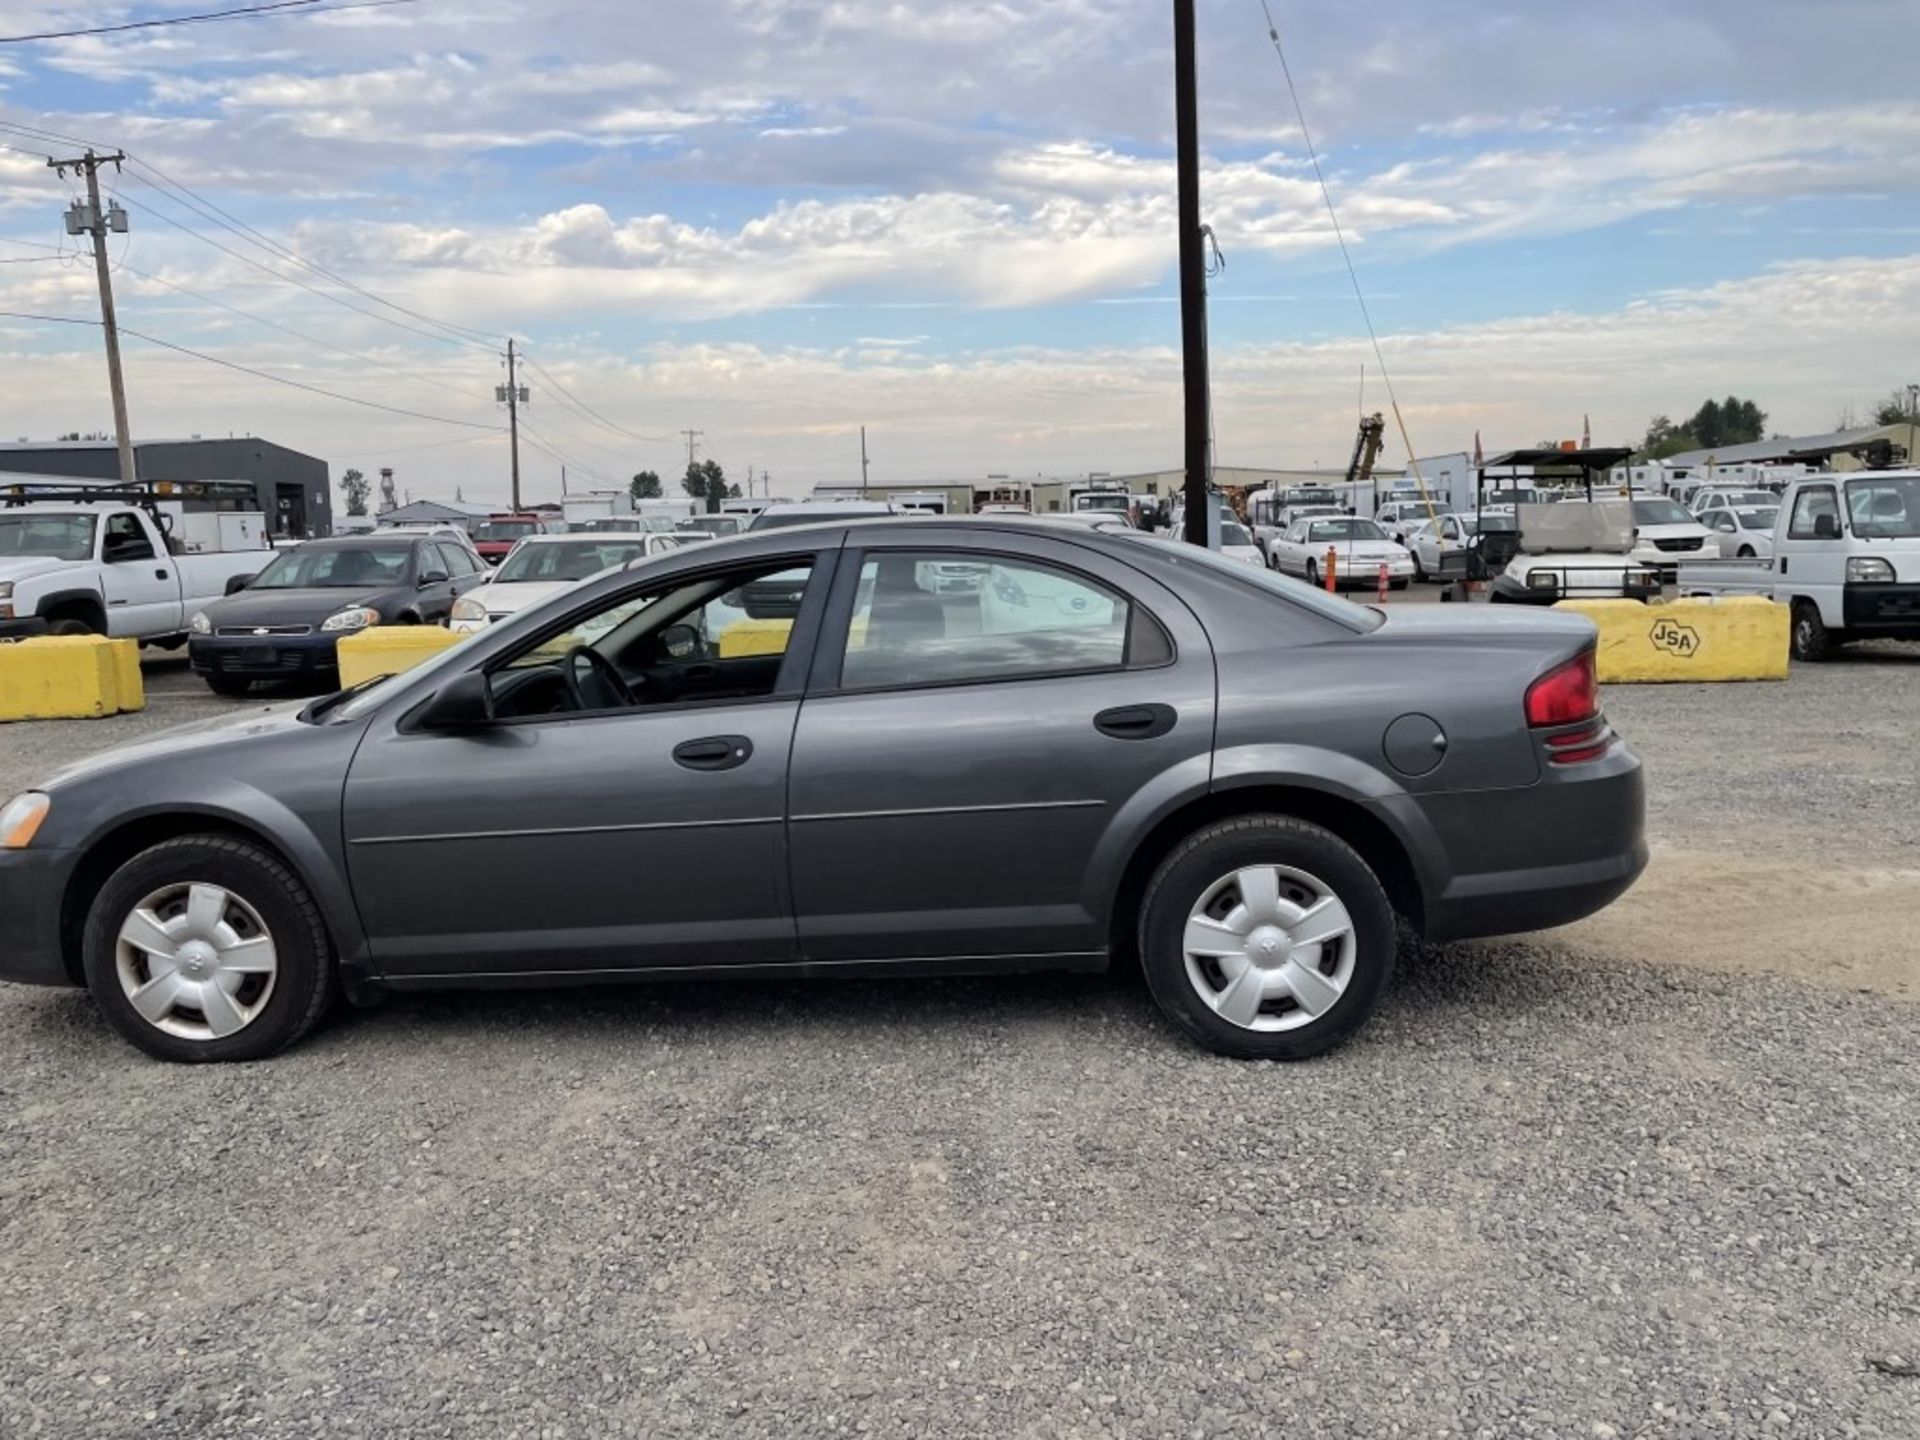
x: 293, y: 488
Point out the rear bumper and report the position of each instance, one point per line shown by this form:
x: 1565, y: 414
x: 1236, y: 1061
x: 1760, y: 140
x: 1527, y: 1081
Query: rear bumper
x: 1890, y: 611
x: 1546, y: 854
x: 31, y: 884
x: 285, y: 656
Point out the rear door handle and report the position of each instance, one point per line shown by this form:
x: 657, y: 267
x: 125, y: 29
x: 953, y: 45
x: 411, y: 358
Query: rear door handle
x: 1136, y: 722
x: 713, y: 752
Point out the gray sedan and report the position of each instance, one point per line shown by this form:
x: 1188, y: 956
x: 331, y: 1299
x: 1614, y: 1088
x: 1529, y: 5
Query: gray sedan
x: 788, y: 755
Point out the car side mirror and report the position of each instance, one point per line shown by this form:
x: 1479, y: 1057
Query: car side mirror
x: 463, y: 703
x: 433, y: 577
x: 679, y: 642
x: 1826, y: 527
x: 237, y: 583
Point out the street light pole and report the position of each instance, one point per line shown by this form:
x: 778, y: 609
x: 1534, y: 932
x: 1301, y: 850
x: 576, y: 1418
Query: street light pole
x: 1193, y: 270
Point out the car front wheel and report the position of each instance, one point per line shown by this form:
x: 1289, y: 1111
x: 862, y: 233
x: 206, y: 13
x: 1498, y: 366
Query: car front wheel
x: 1812, y: 640
x: 208, y: 948
x: 1266, y: 938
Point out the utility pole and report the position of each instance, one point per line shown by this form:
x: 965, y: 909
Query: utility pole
x: 515, y: 394
x: 1193, y: 269
x: 863, y: 457
x: 89, y: 219
x: 693, y: 438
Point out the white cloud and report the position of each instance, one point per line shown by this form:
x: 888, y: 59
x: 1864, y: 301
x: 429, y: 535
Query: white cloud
x: 1020, y: 410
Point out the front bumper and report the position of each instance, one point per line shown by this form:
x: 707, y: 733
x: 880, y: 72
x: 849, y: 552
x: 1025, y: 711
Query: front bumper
x: 264, y: 658
x: 1573, y: 587
x: 24, y: 627
x: 1891, y: 611
x: 31, y: 884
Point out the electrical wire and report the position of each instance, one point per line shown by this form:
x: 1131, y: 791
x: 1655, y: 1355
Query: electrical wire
x: 593, y: 414
x: 208, y: 210
x: 266, y: 269
x: 1353, y: 273
x: 257, y: 374
x: 242, y: 12
x: 298, y: 334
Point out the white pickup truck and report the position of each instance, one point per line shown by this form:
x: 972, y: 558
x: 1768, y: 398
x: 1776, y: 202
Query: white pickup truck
x: 1846, y: 558
x: 94, y: 567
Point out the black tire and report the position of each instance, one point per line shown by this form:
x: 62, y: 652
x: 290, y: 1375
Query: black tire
x: 70, y: 627
x: 304, y: 980
x: 1812, y: 640
x: 1398, y: 584
x: 230, y: 685
x: 1313, y: 573
x: 1419, y: 570
x: 1216, y: 851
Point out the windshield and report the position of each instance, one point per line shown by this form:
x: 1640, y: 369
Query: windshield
x: 1757, y: 518
x: 55, y: 537
x: 1742, y: 497
x: 568, y: 560
x: 506, y: 529
x: 1660, y: 512
x: 1233, y: 534
x: 355, y: 567
x: 1886, y: 508
x: 1345, y: 530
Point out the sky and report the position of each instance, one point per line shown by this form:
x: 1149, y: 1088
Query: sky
x: 774, y: 221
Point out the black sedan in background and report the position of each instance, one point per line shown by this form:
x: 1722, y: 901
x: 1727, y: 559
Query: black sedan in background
x: 284, y: 623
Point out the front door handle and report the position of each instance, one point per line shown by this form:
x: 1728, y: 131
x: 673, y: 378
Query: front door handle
x: 713, y: 752
x: 1136, y: 722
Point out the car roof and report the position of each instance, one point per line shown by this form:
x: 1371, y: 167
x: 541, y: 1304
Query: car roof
x: 362, y: 542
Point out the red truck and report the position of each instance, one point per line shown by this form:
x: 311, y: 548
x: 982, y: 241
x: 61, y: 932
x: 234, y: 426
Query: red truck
x: 498, y: 534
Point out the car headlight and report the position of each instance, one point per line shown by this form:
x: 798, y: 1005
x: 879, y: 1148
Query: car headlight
x: 20, y: 821
x: 1869, y: 570
x: 1542, y: 579
x: 356, y: 617
x: 468, y: 608
x: 199, y: 624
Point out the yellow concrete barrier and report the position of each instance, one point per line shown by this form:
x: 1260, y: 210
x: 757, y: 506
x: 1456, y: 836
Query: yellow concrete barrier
x: 388, y: 649
x: 69, y: 677
x: 1739, y: 638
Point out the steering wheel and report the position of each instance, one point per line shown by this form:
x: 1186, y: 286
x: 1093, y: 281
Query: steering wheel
x: 603, y: 673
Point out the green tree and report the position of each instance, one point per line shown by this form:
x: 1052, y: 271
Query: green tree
x: 705, y: 480
x: 1894, y: 408
x: 356, y: 487
x: 646, y: 486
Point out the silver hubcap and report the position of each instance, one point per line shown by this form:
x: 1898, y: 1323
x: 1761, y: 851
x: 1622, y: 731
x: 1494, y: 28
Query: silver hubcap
x: 196, y: 961
x: 1269, y: 948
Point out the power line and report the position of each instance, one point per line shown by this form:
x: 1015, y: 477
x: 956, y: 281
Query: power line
x: 289, y: 330
x: 266, y: 269
x: 243, y: 12
x: 164, y: 185
x: 1353, y: 273
x: 211, y: 211
x: 593, y: 414
x: 260, y: 374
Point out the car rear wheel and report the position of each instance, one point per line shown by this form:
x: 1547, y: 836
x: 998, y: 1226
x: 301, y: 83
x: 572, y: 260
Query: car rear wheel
x: 1266, y: 938
x: 207, y: 948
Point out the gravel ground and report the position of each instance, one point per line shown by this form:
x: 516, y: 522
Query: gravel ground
x: 1543, y: 1195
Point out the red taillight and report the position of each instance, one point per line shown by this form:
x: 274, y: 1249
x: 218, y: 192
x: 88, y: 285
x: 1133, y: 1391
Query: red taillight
x: 1565, y: 695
